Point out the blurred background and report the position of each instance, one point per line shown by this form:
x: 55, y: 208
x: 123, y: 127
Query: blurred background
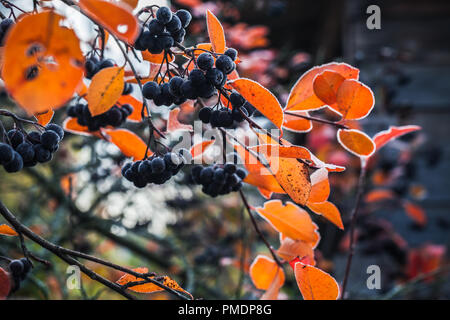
x: 80, y: 201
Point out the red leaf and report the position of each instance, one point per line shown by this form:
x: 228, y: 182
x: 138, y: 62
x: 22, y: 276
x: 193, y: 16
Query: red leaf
x: 173, y: 124
x: 356, y: 142
x: 415, y: 212
x: 315, y: 284
x: 129, y: 143
x: 5, y: 284
x: 302, y: 96
x: 7, y: 230
x: 261, y: 98
x: 215, y: 32
x: 354, y: 100
x: 45, y: 118
x: 115, y: 17
x: 383, y: 137
x: 199, y: 148
x: 326, y: 86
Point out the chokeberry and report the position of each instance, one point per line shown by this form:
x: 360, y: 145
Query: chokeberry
x: 6, y: 153
x: 16, y: 137
x: 232, y: 53
x: 205, y: 114
x: 205, y: 61
x: 15, y: 165
x: 26, y: 151
x: 185, y: 17
x: 164, y: 15
x: 175, y: 84
x: 56, y: 128
x: 225, y: 64
x: 158, y: 165
x: 174, y: 24
x: 49, y: 139
x: 16, y: 267
x: 151, y: 89
x: 215, y: 77
x: 42, y: 154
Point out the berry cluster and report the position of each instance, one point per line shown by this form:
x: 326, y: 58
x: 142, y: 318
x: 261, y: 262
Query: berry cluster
x: 29, y: 149
x: 153, y: 170
x: 222, y: 117
x: 19, y: 270
x: 202, y: 81
x: 162, y: 33
x: 4, y: 27
x: 113, y: 117
x: 218, y: 180
x: 239, y: 103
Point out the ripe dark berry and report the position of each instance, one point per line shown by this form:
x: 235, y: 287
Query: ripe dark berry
x: 214, y: 119
x: 232, y: 53
x: 229, y: 168
x: 49, y: 139
x: 219, y: 176
x: 158, y: 165
x: 174, y: 25
x: 195, y: 173
x: 164, y: 15
x: 114, y: 116
x: 197, y: 77
x: 166, y: 40
x: 91, y: 68
x: 5, y: 25
x: 127, y: 88
x: 225, y: 118
x: 34, y: 137
x: 16, y: 267
x: 188, y: 90
x: 26, y: 265
x: 172, y: 160
x: 42, y: 154
x: 206, y: 175
x: 215, y: 77
x: 150, y: 90
x: 205, y: 114
x: 6, y: 153
x: 15, y: 165
x: 26, y: 151
x: 154, y: 46
x: 107, y: 63
x: 241, y: 173
x: 185, y: 17
x: 225, y: 64
x: 126, y: 167
x: 155, y: 27
x: 236, y: 100
x: 58, y: 129
x: 16, y: 137
x: 178, y: 36
x: 127, y: 109
x: 175, y: 86
x: 233, y: 180
x: 205, y: 61
x: 206, y: 90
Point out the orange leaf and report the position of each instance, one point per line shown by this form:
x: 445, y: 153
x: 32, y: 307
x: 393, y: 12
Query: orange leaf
x: 7, y: 230
x: 297, y: 124
x: 379, y: 195
x: 320, y: 186
x: 156, y: 58
x: 290, y: 220
x: 263, y: 271
x: 129, y: 143
x: 356, y: 142
x: 45, y: 118
x: 354, y: 100
x: 71, y: 125
x: 415, y: 212
x: 42, y: 69
x: 282, y: 151
x: 115, y: 17
x: 383, y: 137
x: 132, y: 3
x: 291, y: 249
x: 215, y: 32
x: 148, y: 287
x: 302, y: 95
x: 328, y: 211
x: 267, y: 194
x: 292, y: 175
x: 5, y: 284
x: 261, y: 98
x: 315, y: 284
x: 173, y: 124
x: 258, y: 174
x: 105, y: 90
x: 199, y: 148
x: 326, y: 86
x: 137, y: 105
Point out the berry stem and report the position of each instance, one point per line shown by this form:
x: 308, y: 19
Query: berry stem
x: 335, y: 124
